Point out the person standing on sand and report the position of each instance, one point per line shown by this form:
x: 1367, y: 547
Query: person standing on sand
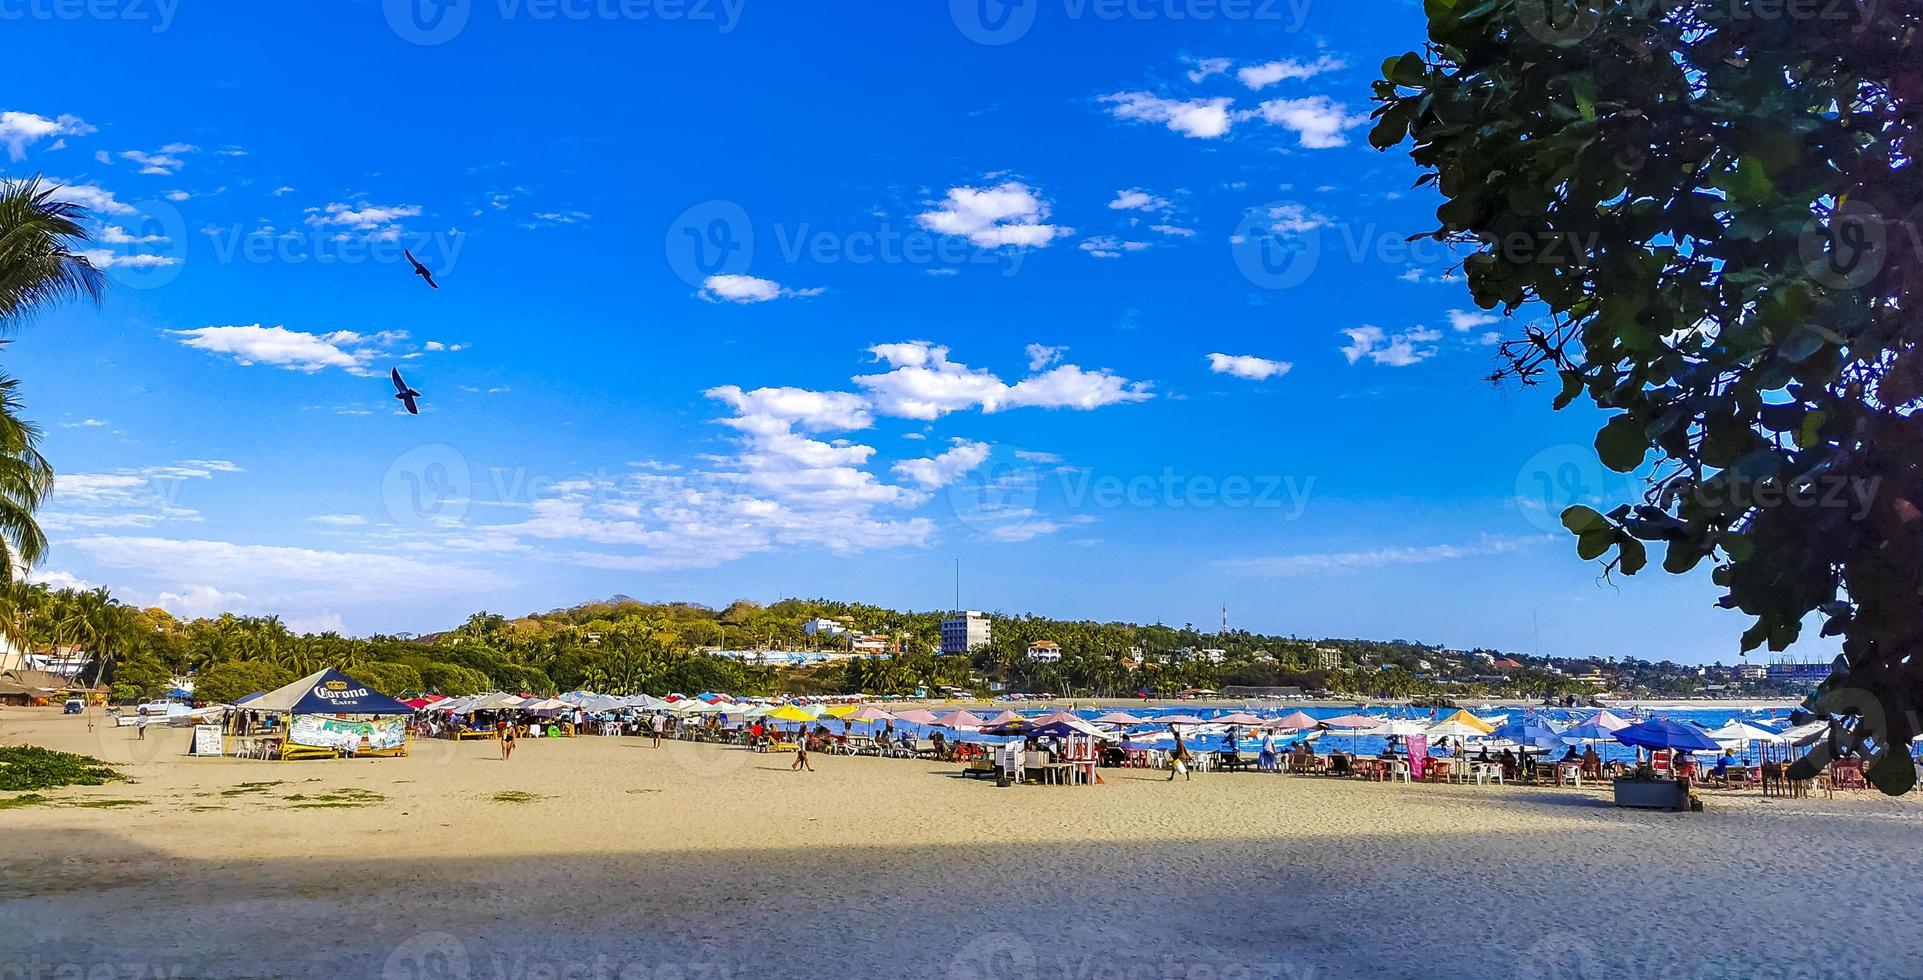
x: 1178, y: 758
x: 801, y: 754
x: 657, y: 723
x: 507, y: 740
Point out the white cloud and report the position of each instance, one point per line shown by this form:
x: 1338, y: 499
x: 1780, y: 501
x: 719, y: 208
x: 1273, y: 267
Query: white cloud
x: 1042, y: 355
x: 1195, y: 118
x: 339, y: 520
x: 1035, y: 456
x: 1464, y: 321
x: 1136, y: 199
x: 1346, y: 561
x: 1109, y: 246
x: 100, y: 258
x: 1294, y: 219
x: 298, y: 350
x: 925, y: 384
x: 128, y: 498
x: 1258, y: 77
x: 815, y: 411
x: 95, y: 199
x: 116, y: 235
x: 1175, y: 230
x: 747, y: 289
x: 164, y: 162
x: 1318, y: 120
x: 228, y: 567
x: 1205, y: 67
x: 1248, y: 366
x: 19, y: 130
x: 381, y: 222
x: 1390, y: 350
x: 939, y: 471
x: 992, y: 217
x: 86, y: 424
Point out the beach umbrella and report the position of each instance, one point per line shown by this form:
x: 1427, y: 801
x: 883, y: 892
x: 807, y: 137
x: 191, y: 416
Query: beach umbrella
x: 1120, y: 718
x: 1177, y: 720
x: 841, y: 711
x: 1001, y: 719
x: 1529, y: 735
x: 1462, y: 724
x: 789, y: 712
x: 1600, y: 725
x: 959, y: 719
x: 1400, y: 728
x: 1348, y: 723
x: 1661, y: 733
x: 917, y: 716
x: 1353, y: 724
x: 1242, y: 718
x: 870, y: 713
x: 1737, y: 734
x: 1293, y: 721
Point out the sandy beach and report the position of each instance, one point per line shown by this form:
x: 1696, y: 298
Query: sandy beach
x: 697, y: 861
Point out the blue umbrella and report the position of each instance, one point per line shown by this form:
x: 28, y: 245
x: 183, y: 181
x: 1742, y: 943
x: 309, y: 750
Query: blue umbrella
x: 1532, y: 734
x: 1661, y: 733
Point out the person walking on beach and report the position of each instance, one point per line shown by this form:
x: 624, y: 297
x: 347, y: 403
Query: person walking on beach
x: 507, y: 740
x: 658, y: 722
x: 801, y: 754
x: 1178, y: 758
x: 1266, y: 761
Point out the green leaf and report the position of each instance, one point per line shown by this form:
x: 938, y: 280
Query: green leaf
x: 1811, y: 432
x: 1680, y: 557
x: 1407, y: 70
x: 1800, y: 344
x: 1583, y: 86
x: 1571, y: 387
x: 1633, y: 556
x: 1592, y: 545
x: 1581, y: 520
x: 1621, y: 444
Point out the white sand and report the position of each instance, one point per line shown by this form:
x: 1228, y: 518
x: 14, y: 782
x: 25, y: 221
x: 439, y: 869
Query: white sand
x: 691, y: 861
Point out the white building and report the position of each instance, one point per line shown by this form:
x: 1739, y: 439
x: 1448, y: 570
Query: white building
x: 1045, y: 651
x: 964, y: 632
x: 868, y: 644
x: 1324, y: 658
x: 832, y: 627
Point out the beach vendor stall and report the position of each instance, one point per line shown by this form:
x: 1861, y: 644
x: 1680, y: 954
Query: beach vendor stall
x: 329, y: 714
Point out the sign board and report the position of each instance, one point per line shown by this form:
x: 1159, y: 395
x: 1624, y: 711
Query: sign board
x: 207, y: 740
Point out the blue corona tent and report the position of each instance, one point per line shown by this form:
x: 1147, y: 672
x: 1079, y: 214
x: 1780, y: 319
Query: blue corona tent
x: 330, y: 714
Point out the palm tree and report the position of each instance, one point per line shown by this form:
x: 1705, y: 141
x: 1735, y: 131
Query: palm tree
x: 42, y: 241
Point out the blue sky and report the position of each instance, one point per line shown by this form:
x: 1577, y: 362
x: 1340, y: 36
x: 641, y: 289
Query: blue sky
x: 1110, y: 302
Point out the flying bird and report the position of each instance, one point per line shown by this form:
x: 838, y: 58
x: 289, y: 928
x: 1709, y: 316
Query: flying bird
x: 405, y: 394
x: 419, y: 269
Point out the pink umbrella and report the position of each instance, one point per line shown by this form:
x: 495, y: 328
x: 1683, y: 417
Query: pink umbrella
x: 918, y: 716
x: 869, y: 712
x: 1293, y: 721
x: 959, y: 719
x: 1120, y: 718
x: 1238, y: 718
x: 1177, y: 720
x: 1352, y: 722
x: 1001, y: 719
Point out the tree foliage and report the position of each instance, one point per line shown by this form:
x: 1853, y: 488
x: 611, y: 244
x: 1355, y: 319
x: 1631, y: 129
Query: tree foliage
x: 1715, y: 205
